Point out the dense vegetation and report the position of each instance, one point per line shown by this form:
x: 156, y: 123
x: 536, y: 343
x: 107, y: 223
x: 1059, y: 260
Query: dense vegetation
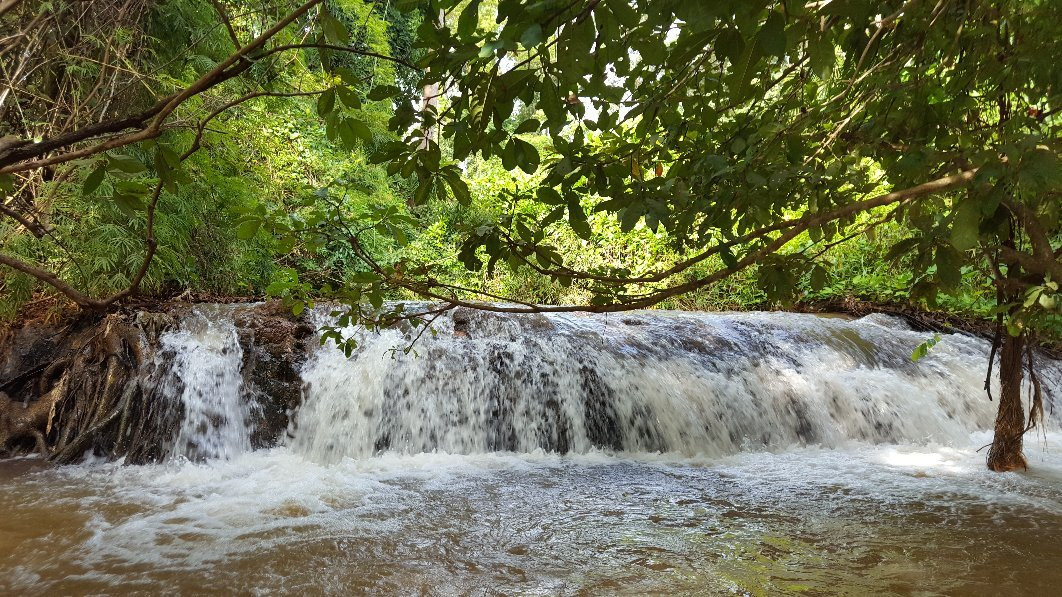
x: 587, y: 155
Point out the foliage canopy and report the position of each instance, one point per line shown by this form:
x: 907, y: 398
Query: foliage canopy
x: 746, y: 134
x: 759, y: 133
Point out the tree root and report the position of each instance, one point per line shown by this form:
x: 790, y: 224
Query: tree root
x: 77, y: 397
x: 74, y: 449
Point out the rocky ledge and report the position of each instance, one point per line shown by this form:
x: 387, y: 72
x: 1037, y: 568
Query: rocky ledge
x: 94, y: 384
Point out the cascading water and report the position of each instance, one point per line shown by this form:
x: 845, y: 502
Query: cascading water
x: 204, y: 358
x: 642, y: 453
x: 707, y: 384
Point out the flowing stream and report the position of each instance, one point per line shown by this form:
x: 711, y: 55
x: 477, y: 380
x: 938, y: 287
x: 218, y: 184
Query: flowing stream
x: 203, y: 360
x: 651, y: 452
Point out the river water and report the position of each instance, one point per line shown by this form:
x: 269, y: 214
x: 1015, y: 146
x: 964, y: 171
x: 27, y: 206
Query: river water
x: 649, y: 454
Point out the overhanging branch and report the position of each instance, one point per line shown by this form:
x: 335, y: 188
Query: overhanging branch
x: 149, y: 122
x: 793, y: 228
x: 801, y: 224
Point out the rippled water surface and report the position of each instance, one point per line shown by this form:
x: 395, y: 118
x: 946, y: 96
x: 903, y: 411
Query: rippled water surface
x: 705, y: 454
x: 852, y: 520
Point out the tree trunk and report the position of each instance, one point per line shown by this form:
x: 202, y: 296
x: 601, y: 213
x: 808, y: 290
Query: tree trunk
x: 1005, y: 453
x: 430, y: 96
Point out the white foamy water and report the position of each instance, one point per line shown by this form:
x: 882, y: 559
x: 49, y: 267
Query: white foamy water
x: 695, y: 384
x: 204, y: 358
x: 644, y: 453
x: 857, y: 519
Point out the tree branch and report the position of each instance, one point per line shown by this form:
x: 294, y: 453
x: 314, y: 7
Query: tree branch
x: 1041, y: 244
x: 338, y: 48
x: 793, y: 229
x: 1032, y: 263
x: 228, y: 23
x: 35, y: 228
x: 149, y: 121
x: 801, y: 224
x: 7, y: 5
x: 54, y: 281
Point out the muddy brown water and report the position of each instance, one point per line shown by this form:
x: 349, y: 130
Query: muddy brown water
x: 669, y: 454
x: 854, y: 520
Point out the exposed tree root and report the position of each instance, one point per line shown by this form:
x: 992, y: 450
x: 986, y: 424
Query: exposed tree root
x: 102, y: 384
x: 86, y: 397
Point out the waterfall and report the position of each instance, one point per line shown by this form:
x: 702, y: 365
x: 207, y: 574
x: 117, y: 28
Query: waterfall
x: 647, y: 452
x: 684, y: 383
x: 202, y: 361
x: 694, y: 384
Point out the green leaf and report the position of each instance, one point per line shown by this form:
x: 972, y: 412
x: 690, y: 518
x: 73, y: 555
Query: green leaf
x: 247, y: 229
x: 362, y: 130
x: 612, y: 205
x: 94, y: 179
x: 772, y: 36
x: 346, y: 134
x: 964, y: 228
x: 901, y: 248
x: 532, y: 36
x: 420, y: 197
x: 629, y: 218
x: 553, y: 216
x: 549, y: 196
x: 577, y: 219
x: 625, y: 13
x: 923, y: 349
x: 822, y: 56
x: 363, y: 277
x: 509, y: 155
x: 382, y: 92
x: 531, y: 125
x: 130, y: 203
x: 527, y: 156
x: 729, y: 45
x: 460, y: 190
x: 490, y: 48
x: 948, y: 263
x: 348, y: 76
x: 334, y: 29
x: 728, y: 257
x: 819, y: 277
x: 285, y: 245
x: 125, y: 163
x: 349, y: 97
x: 1040, y: 170
x: 326, y: 102
x: 744, y: 69
x: 468, y: 22
x: 351, y: 130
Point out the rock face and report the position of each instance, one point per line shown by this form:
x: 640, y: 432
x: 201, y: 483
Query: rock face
x: 275, y: 347
x: 100, y: 384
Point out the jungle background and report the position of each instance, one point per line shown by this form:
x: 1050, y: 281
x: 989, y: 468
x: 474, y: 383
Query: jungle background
x: 84, y: 62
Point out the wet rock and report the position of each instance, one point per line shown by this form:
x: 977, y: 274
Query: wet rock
x: 461, y: 317
x: 602, y: 422
x: 26, y: 353
x: 275, y: 346
x: 99, y: 383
